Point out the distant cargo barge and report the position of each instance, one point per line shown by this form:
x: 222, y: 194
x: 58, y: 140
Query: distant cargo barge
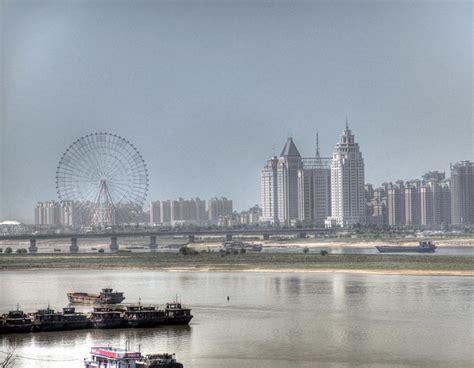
x: 423, y: 247
x: 106, y: 296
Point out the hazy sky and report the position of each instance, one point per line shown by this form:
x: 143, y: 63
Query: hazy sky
x: 206, y: 89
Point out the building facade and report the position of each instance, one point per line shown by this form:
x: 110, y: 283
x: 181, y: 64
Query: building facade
x: 279, y: 186
x: 269, y: 191
x: 217, y: 208
x: 412, y: 204
x: 314, y: 186
x: 348, y: 204
x: 462, y: 193
x: 396, y: 204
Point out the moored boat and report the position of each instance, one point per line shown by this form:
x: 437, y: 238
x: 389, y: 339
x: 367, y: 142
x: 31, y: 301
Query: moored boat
x: 106, y: 296
x: 423, y: 247
x: 106, y: 317
x: 73, y: 320
x: 15, y: 322
x: 176, y: 314
x: 158, y: 361
x: 46, y: 320
x: 108, y: 357
x: 143, y: 316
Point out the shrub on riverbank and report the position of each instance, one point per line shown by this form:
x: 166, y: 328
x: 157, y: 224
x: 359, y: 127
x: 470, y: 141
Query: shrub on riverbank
x: 188, y: 251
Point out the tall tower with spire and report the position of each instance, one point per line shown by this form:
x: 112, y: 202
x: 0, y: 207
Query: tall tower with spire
x: 314, y: 180
x: 279, y: 185
x: 347, y: 182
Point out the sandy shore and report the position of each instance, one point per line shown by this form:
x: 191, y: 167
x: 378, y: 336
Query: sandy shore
x: 262, y: 270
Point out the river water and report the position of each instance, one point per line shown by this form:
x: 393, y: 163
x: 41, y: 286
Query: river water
x: 271, y: 320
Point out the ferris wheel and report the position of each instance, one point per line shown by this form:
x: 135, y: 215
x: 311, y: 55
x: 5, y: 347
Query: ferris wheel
x: 100, y: 173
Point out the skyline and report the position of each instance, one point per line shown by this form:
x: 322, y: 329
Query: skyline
x: 149, y: 201
x: 205, y: 92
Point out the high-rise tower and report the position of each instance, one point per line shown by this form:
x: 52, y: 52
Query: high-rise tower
x: 462, y: 193
x: 279, y: 185
x: 314, y: 180
x: 347, y: 182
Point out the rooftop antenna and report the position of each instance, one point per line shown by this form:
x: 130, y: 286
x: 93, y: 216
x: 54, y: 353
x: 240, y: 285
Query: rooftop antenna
x: 317, y: 144
x: 347, y: 123
x: 273, y: 151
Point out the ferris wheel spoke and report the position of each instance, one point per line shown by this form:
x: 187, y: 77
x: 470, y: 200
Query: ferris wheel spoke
x: 105, y: 168
x: 82, y: 154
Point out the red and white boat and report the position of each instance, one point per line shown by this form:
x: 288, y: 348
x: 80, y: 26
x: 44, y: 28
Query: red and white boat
x: 108, y: 357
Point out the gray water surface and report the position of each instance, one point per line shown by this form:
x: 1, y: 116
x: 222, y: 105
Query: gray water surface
x: 272, y: 319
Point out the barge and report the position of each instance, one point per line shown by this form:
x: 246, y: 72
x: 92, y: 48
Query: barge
x: 106, y: 296
x: 106, y: 316
x: 423, y: 247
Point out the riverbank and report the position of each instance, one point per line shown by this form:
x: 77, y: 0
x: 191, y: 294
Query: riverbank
x: 249, y: 262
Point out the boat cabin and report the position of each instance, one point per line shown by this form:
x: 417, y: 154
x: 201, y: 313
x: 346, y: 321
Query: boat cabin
x: 108, y: 357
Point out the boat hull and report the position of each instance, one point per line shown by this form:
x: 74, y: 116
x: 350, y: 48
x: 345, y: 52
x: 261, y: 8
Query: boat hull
x: 389, y: 249
x: 83, y: 298
x: 107, y: 324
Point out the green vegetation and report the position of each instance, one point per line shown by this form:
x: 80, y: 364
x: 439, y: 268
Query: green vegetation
x: 240, y: 261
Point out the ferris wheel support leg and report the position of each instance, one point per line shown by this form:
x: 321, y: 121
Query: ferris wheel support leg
x: 33, y: 248
x: 153, y: 242
x: 74, y: 248
x: 113, y: 244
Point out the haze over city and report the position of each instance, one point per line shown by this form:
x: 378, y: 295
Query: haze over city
x: 205, y: 92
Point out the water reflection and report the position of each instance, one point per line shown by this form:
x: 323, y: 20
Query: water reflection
x: 271, y: 320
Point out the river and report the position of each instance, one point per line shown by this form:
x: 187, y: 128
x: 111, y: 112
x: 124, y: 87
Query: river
x: 271, y: 320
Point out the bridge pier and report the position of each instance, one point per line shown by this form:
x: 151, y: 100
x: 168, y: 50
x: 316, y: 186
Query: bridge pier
x: 191, y: 238
x: 266, y: 236
x: 113, y: 244
x: 33, y: 248
x: 228, y: 237
x: 73, y: 248
x: 302, y: 235
x: 153, y: 244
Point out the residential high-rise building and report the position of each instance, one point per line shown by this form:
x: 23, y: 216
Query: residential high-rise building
x: 48, y: 213
x: 218, y: 207
x: 378, y: 208
x: 155, y: 212
x: 462, y: 193
x: 279, y: 186
x: 436, y: 175
x: 314, y: 181
x: 165, y: 212
x: 188, y: 211
x: 269, y: 191
x: 396, y: 204
x: 412, y: 203
x: 347, y: 182
x: 435, y: 206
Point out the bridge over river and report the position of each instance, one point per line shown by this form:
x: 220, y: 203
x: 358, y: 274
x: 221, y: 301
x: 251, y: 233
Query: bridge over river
x: 191, y: 235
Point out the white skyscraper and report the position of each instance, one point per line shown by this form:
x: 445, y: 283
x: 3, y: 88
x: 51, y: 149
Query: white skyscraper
x: 268, y: 191
x: 279, y: 186
x: 347, y: 182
